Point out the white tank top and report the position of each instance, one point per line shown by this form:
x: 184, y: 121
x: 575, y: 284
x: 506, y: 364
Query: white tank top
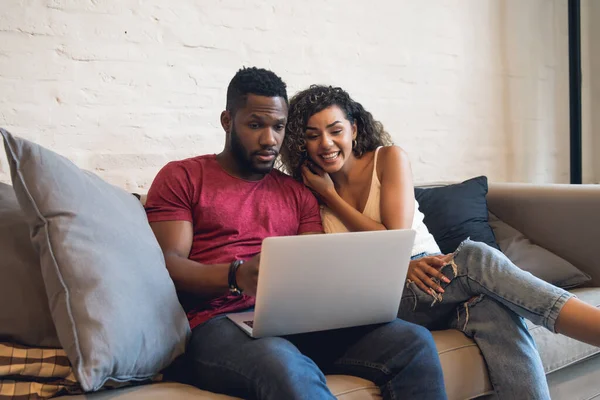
x: 424, y: 241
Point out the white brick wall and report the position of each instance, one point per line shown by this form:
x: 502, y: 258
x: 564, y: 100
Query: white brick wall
x: 120, y: 87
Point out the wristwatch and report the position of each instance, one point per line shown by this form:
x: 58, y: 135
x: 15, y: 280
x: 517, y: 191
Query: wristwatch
x: 232, y: 282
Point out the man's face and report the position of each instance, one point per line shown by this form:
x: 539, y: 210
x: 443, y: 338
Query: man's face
x: 257, y: 132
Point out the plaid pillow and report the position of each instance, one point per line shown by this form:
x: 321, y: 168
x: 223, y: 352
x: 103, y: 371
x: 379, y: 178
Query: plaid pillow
x: 39, y: 373
x: 34, y: 373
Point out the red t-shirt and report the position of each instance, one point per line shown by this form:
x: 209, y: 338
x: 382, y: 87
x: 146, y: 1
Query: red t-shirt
x: 231, y: 217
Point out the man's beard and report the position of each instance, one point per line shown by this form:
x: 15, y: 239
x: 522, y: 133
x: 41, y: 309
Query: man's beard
x: 244, y: 158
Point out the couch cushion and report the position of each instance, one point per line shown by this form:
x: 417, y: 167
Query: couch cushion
x: 535, y: 259
x: 112, y: 301
x: 465, y: 371
x: 342, y: 386
x: 577, y: 381
x: 155, y: 391
x: 24, y: 312
x: 558, y: 351
x: 456, y: 212
x: 346, y: 387
x: 39, y: 372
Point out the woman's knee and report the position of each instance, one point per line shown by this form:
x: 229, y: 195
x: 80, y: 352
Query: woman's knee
x: 469, y: 257
x: 474, y: 249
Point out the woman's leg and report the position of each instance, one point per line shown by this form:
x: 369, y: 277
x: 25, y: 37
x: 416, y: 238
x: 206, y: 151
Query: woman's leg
x: 580, y: 321
x: 479, y: 269
x: 514, y: 364
x: 485, y: 294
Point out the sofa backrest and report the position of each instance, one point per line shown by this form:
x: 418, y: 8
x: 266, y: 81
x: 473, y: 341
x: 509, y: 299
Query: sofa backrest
x: 564, y: 219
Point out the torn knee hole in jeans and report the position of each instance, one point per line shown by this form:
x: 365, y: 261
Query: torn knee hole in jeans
x: 465, y: 306
x: 454, y: 267
x: 450, y: 270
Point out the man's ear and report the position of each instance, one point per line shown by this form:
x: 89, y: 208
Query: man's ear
x: 226, y: 121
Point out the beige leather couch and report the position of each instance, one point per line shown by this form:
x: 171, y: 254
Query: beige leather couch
x: 562, y: 218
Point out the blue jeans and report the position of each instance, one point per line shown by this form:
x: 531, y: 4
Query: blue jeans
x: 399, y: 357
x: 487, y: 299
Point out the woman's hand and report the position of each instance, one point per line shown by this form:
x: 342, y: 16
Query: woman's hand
x: 422, y: 270
x: 318, y: 181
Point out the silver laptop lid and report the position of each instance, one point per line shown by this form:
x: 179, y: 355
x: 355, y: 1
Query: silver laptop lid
x: 317, y: 282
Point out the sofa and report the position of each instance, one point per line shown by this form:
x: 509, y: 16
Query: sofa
x: 564, y: 219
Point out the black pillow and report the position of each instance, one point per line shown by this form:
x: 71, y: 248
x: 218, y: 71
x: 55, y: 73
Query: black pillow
x: 456, y: 212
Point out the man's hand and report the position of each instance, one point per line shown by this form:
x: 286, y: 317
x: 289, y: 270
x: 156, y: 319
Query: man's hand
x: 247, y: 275
x: 421, y: 270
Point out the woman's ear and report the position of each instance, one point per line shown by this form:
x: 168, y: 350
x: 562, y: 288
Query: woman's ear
x: 354, y: 130
x: 226, y: 121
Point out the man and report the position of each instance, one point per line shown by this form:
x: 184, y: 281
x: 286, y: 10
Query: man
x: 210, y: 213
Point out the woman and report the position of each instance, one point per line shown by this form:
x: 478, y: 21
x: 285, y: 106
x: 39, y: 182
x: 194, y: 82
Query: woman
x: 345, y: 157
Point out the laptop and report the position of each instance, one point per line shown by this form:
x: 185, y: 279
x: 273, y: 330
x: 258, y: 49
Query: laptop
x: 311, y: 283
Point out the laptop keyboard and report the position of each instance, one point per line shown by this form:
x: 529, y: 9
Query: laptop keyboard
x: 249, y: 323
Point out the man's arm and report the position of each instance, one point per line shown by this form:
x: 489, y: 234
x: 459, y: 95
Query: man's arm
x: 175, y: 239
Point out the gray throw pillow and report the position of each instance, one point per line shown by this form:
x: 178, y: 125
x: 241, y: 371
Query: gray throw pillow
x: 535, y: 259
x: 24, y: 313
x: 112, y: 300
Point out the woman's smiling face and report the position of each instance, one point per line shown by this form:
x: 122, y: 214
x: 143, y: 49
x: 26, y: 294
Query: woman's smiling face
x: 329, y: 137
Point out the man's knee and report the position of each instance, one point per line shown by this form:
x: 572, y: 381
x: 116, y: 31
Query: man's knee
x: 273, y: 350
x: 281, y: 362
x: 414, y: 331
x: 220, y: 342
x: 415, y: 336
x: 280, y: 358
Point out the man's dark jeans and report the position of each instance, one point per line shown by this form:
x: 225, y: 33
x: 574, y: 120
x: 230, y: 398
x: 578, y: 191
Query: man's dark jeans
x: 399, y: 357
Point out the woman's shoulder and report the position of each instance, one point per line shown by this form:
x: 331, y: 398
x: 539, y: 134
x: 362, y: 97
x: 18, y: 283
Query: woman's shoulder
x: 392, y: 151
x: 391, y: 157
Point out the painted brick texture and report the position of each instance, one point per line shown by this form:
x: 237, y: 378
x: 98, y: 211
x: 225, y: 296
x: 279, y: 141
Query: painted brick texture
x: 120, y: 87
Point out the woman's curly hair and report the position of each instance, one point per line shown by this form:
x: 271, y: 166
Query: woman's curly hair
x: 304, y: 104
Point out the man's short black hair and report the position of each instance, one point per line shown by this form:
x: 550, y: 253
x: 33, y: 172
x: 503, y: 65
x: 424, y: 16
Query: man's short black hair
x: 256, y: 81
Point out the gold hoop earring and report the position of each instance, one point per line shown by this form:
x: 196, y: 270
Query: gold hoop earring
x: 302, y: 148
x: 354, y: 143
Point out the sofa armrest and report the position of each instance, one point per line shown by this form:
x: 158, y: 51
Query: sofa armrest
x: 564, y: 219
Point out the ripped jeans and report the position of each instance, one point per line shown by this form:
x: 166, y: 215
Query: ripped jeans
x: 487, y: 299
